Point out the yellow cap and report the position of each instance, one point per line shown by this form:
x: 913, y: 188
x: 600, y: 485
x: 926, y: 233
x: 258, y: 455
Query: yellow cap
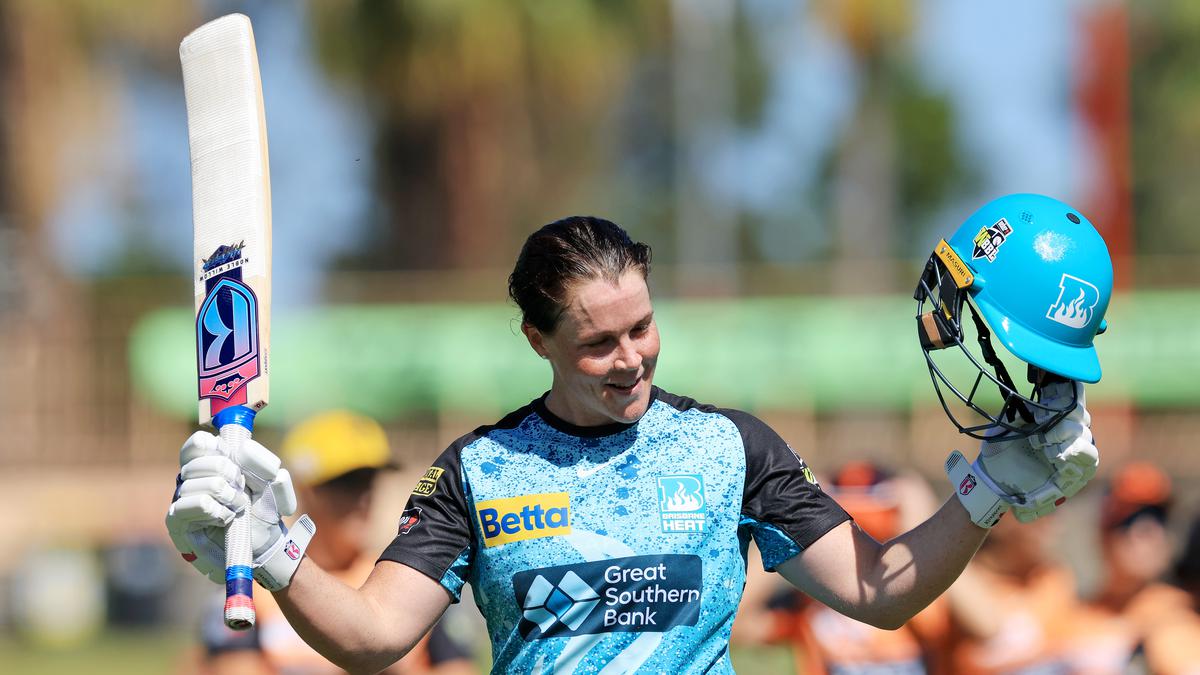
x: 334, y: 443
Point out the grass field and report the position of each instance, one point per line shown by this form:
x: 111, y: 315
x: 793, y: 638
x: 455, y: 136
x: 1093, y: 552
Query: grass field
x: 112, y: 653
x: 162, y: 652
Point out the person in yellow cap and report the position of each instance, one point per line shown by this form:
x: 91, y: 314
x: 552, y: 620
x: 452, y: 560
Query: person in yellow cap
x: 334, y: 458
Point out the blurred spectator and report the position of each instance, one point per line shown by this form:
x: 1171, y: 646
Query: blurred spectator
x: 826, y: 642
x: 1187, y: 566
x: 1012, y: 608
x: 334, y: 459
x: 1136, y: 622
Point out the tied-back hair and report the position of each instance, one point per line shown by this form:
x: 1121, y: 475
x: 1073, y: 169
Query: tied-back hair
x: 573, y: 249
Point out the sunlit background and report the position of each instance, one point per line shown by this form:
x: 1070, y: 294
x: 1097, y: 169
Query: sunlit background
x: 791, y: 163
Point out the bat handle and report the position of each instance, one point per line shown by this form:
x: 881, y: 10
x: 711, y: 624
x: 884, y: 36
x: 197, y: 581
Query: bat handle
x: 235, y: 424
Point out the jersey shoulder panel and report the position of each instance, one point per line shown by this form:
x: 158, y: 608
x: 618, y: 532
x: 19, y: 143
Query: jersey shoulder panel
x: 782, y: 503
x: 435, y: 532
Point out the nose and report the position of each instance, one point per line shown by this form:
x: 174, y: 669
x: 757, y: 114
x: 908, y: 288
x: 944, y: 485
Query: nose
x: 628, y: 356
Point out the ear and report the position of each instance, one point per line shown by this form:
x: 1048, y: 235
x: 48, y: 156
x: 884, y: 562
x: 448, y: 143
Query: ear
x: 536, y: 339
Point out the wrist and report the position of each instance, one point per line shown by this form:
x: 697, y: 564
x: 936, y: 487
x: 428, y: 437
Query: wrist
x: 279, y: 563
x: 971, y: 487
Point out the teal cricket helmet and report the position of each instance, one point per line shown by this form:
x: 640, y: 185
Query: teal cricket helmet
x: 1032, y: 272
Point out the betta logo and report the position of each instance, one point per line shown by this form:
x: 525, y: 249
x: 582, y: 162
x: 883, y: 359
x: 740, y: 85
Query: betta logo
x: 967, y: 484
x: 409, y: 519
x: 1076, y: 302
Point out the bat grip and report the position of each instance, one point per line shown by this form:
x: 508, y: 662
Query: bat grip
x: 239, y: 583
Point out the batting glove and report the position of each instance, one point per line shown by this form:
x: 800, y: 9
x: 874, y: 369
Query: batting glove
x: 212, y: 488
x: 1031, y: 476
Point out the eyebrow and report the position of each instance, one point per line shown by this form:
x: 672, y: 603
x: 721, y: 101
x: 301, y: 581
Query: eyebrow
x: 592, y: 337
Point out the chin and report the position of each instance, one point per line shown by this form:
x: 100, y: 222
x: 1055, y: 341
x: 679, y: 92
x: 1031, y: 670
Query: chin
x: 633, y: 411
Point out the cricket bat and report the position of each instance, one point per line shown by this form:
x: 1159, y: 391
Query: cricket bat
x: 231, y: 218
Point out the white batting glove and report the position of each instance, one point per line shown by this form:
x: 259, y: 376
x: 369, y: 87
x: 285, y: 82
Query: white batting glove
x: 1031, y: 476
x: 212, y: 487
x: 1069, y: 444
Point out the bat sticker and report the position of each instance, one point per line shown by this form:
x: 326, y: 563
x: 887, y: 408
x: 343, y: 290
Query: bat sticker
x: 227, y: 353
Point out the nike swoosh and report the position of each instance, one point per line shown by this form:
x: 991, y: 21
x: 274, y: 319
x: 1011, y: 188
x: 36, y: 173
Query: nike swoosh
x: 584, y: 473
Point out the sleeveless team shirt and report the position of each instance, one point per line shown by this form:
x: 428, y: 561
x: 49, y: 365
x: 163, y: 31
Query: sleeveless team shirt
x: 611, y: 549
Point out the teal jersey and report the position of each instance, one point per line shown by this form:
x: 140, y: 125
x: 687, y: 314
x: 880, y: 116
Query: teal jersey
x: 611, y: 549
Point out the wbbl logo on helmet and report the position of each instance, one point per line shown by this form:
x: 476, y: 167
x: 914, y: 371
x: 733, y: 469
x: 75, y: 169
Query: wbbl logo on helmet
x: 990, y: 239
x: 1076, y: 302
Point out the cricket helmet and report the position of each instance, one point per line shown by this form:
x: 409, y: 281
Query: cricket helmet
x: 1033, y: 272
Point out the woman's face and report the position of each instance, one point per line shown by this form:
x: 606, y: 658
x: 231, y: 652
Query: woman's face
x: 603, y: 351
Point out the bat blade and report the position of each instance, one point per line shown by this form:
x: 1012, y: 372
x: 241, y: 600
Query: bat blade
x: 231, y: 218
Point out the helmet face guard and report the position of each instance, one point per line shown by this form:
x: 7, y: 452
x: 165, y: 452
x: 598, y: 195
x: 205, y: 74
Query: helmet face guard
x: 944, y: 284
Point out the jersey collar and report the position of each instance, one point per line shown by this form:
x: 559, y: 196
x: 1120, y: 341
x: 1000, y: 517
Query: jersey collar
x: 539, y: 406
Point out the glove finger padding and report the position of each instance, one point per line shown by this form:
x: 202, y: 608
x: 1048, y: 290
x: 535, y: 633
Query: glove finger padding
x: 216, y: 489
x: 212, y: 486
x: 199, y: 444
x: 265, y: 477
x: 214, y: 466
x: 200, y: 510
x: 1068, y: 445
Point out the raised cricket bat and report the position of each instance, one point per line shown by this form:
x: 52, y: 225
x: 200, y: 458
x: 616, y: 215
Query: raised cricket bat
x: 231, y: 217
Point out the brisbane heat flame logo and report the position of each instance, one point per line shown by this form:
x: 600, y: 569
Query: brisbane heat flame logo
x: 226, y: 326
x: 681, y: 503
x: 1076, y: 302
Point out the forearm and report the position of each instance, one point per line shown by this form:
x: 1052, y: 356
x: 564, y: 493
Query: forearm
x: 343, y: 624
x: 914, y: 568
x: 886, y: 584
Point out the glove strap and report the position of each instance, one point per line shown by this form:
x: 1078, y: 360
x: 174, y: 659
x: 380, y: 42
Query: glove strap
x: 275, y: 572
x: 983, y: 505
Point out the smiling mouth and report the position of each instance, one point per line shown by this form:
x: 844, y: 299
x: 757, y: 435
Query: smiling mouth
x: 624, y: 389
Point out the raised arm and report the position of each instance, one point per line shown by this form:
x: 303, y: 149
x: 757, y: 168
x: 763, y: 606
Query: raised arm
x: 360, y: 629
x: 885, y: 584
x: 363, y: 630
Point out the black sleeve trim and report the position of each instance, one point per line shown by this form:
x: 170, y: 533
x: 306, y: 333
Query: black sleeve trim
x: 436, y: 526
x: 780, y: 489
x: 405, y: 556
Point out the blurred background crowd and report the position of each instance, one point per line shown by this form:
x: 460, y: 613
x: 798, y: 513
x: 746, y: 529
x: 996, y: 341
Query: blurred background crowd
x: 792, y: 163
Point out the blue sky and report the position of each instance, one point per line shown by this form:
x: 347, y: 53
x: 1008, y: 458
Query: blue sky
x: 1006, y: 67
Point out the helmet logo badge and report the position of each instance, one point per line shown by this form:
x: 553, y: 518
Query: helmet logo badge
x: 990, y: 239
x: 1076, y: 302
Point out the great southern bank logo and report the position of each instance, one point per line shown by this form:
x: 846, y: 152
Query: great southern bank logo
x: 681, y: 503
x: 526, y: 517
x: 646, y: 593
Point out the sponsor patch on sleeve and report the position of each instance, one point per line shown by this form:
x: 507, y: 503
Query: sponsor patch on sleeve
x: 428, y: 482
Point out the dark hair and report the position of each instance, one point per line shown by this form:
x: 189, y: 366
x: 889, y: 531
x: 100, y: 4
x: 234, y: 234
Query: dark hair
x: 565, y: 251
